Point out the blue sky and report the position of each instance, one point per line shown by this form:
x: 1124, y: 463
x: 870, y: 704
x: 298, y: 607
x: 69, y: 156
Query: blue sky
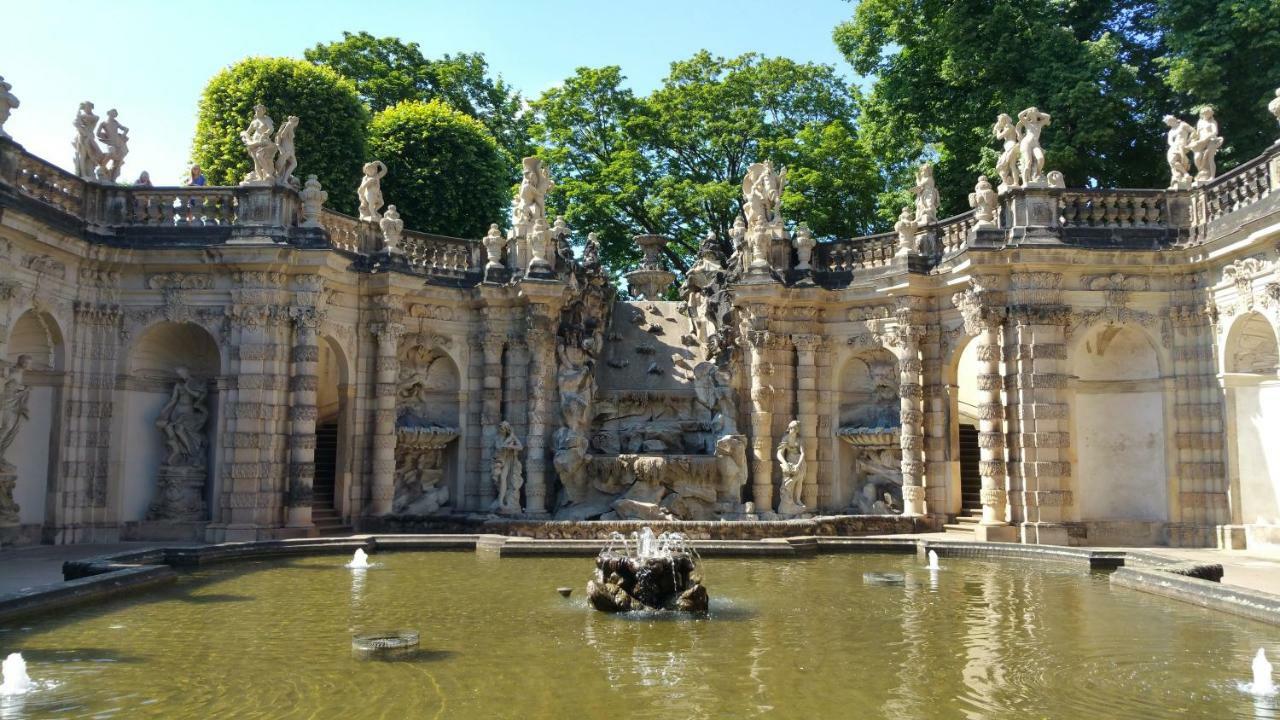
x: 151, y: 59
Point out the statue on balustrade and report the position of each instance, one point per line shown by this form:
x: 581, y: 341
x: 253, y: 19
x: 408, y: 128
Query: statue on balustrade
x: 116, y: 137
x: 1204, y: 146
x: 313, y: 200
x: 494, y: 245
x: 1273, y: 107
x: 507, y: 473
x: 1007, y: 164
x: 926, y: 192
x: 985, y: 203
x: 803, y: 243
x: 740, y: 255
x: 1179, y: 140
x: 8, y: 103
x: 262, y: 149
x: 531, y: 202
x: 792, y: 462
x: 1031, y: 122
x: 88, y: 156
x: 370, y: 191
x: 906, y: 227
x: 287, y: 157
x: 762, y: 194
x: 392, y: 230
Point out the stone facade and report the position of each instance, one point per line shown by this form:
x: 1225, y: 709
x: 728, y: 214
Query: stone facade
x: 1110, y: 355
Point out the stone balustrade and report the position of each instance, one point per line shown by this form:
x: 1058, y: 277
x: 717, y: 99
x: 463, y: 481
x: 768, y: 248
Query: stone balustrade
x: 438, y: 254
x: 49, y: 184
x: 349, y: 234
x: 1114, y: 208
x: 953, y: 232
x: 860, y: 253
x: 170, y: 206
x: 1237, y: 189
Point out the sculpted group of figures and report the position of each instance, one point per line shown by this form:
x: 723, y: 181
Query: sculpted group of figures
x: 92, y: 161
x: 1202, y: 142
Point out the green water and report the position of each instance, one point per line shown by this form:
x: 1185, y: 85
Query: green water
x: 786, y: 639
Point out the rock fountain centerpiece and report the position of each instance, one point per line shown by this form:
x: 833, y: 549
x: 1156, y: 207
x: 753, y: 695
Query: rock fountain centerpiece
x: 652, y: 278
x: 659, y: 573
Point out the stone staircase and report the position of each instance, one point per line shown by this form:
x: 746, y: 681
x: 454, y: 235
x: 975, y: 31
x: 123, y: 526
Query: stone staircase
x: 323, y: 510
x: 970, y: 484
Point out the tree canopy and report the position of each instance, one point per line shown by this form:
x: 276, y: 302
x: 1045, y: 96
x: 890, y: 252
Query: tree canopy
x: 672, y: 162
x: 330, y: 139
x: 445, y: 173
x: 387, y: 71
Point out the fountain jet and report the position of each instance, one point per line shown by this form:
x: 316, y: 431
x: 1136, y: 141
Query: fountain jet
x: 664, y: 573
x: 933, y: 560
x: 13, y: 672
x: 360, y: 560
x: 1262, y: 683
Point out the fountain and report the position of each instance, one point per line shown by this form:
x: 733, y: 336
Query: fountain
x: 1262, y: 683
x: 933, y: 560
x: 359, y: 560
x: 663, y: 573
x: 15, y: 680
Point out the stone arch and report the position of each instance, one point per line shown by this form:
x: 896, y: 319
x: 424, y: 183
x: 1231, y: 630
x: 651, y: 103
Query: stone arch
x: 868, y: 425
x: 428, y: 429
x: 35, y: 342
x: 1119, y: 434
x: 961, y: 378
x: 1250, y: 354
x: 145, y: 487
x: 335, y: 427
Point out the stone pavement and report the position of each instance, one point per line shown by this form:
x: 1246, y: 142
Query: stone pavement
x: 42, y: 564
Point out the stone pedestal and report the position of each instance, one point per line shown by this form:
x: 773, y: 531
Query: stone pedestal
x: 995, y: 533
x: 179, y: 494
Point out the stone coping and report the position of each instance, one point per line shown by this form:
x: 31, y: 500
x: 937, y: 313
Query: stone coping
x: 99, y: 578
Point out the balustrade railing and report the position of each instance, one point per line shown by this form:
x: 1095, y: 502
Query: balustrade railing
x: 869, y: 251
x: 1114, y: 208
x: 1238, y: 188
x: 171, y: 207
x: 50, y: 184
x: 347, y: 233
x: 953, y: 232
x: 438, y: 254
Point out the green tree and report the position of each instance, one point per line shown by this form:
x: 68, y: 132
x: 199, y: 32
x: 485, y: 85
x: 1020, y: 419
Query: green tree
x: 1220, y: 53
x: 673, y: 162
x: 388, y: 71
x: 330, y: 139
x: 445, y: 173
x: 943, y: 69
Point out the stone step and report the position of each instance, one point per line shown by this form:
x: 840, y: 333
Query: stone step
x: 965, y: 529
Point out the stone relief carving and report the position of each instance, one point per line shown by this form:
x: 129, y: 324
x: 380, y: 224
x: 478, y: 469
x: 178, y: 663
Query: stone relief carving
x: 184, y: 471
x: 8, y: 103
x: 370, y: 191
x: 14, y: 399
x: 45, y: 265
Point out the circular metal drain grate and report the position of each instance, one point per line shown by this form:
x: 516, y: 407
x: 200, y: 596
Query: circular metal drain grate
x: 384, y: 645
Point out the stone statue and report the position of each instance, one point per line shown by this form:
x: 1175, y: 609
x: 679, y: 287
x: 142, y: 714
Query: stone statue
x: 182, y: 420
x: 8, y: 103
x: 1007, y: 164
x: 531, y: 202
x: 762, y: 194
x: 392, y: 228
x: 791, y: 460
x: 313, y: 200
x: 570, y: 461
x: 804, y: 243
x: 507, y: 473
x: 287, y: 158
x: 494, y: 244
x: 539, y: 238
x: 926, y: 193
x: 738, y: 239
x: 985, y: 203
x: 1031, y: 122
x: 14, y: 395
x: 418, y: 490
x: 262, y: 149
x: 1179, y: 140
x: 906, y: 227
x: 370, y: 191
x: 88, y: 155
x: 591, y: 252
x: 1205, y: 143
x: 1273, y: 106
x: 116, y: 137
x: 731, y: 462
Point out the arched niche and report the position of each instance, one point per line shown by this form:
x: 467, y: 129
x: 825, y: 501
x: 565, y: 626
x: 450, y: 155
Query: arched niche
x: 36, y: 342
x: 428, y: 419
x: 963, y: 416
x: 868, y: 451
x: 148, y: 390
x: 1118, y: 427
x: 1250, y: 356
x: 334, y: 427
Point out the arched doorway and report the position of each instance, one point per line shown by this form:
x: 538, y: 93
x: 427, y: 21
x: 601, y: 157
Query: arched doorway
x: 34, y: 359
x: 1120, y: 471
x: 330, y: 503
x: 1250, y: 358
x: 167, y: 466
x: 962, y: 384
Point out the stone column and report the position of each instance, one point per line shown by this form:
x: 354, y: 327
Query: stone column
x: 386, y: 369
x: 910, y: 395
x: 807, y: 412
x: 991, y: 463
x: 305, y: 359
x: 936, y: 432
x: 541, y: 362
x: 490, y: 411
x: 1043, y: 438
x: 516, y: 390
x: 761, y: 423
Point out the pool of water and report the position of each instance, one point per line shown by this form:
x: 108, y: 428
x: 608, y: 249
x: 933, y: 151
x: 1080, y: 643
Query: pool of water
x: 788, y: 639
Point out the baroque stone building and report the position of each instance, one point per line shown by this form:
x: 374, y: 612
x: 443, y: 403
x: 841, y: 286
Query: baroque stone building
x: 1071, y: 366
